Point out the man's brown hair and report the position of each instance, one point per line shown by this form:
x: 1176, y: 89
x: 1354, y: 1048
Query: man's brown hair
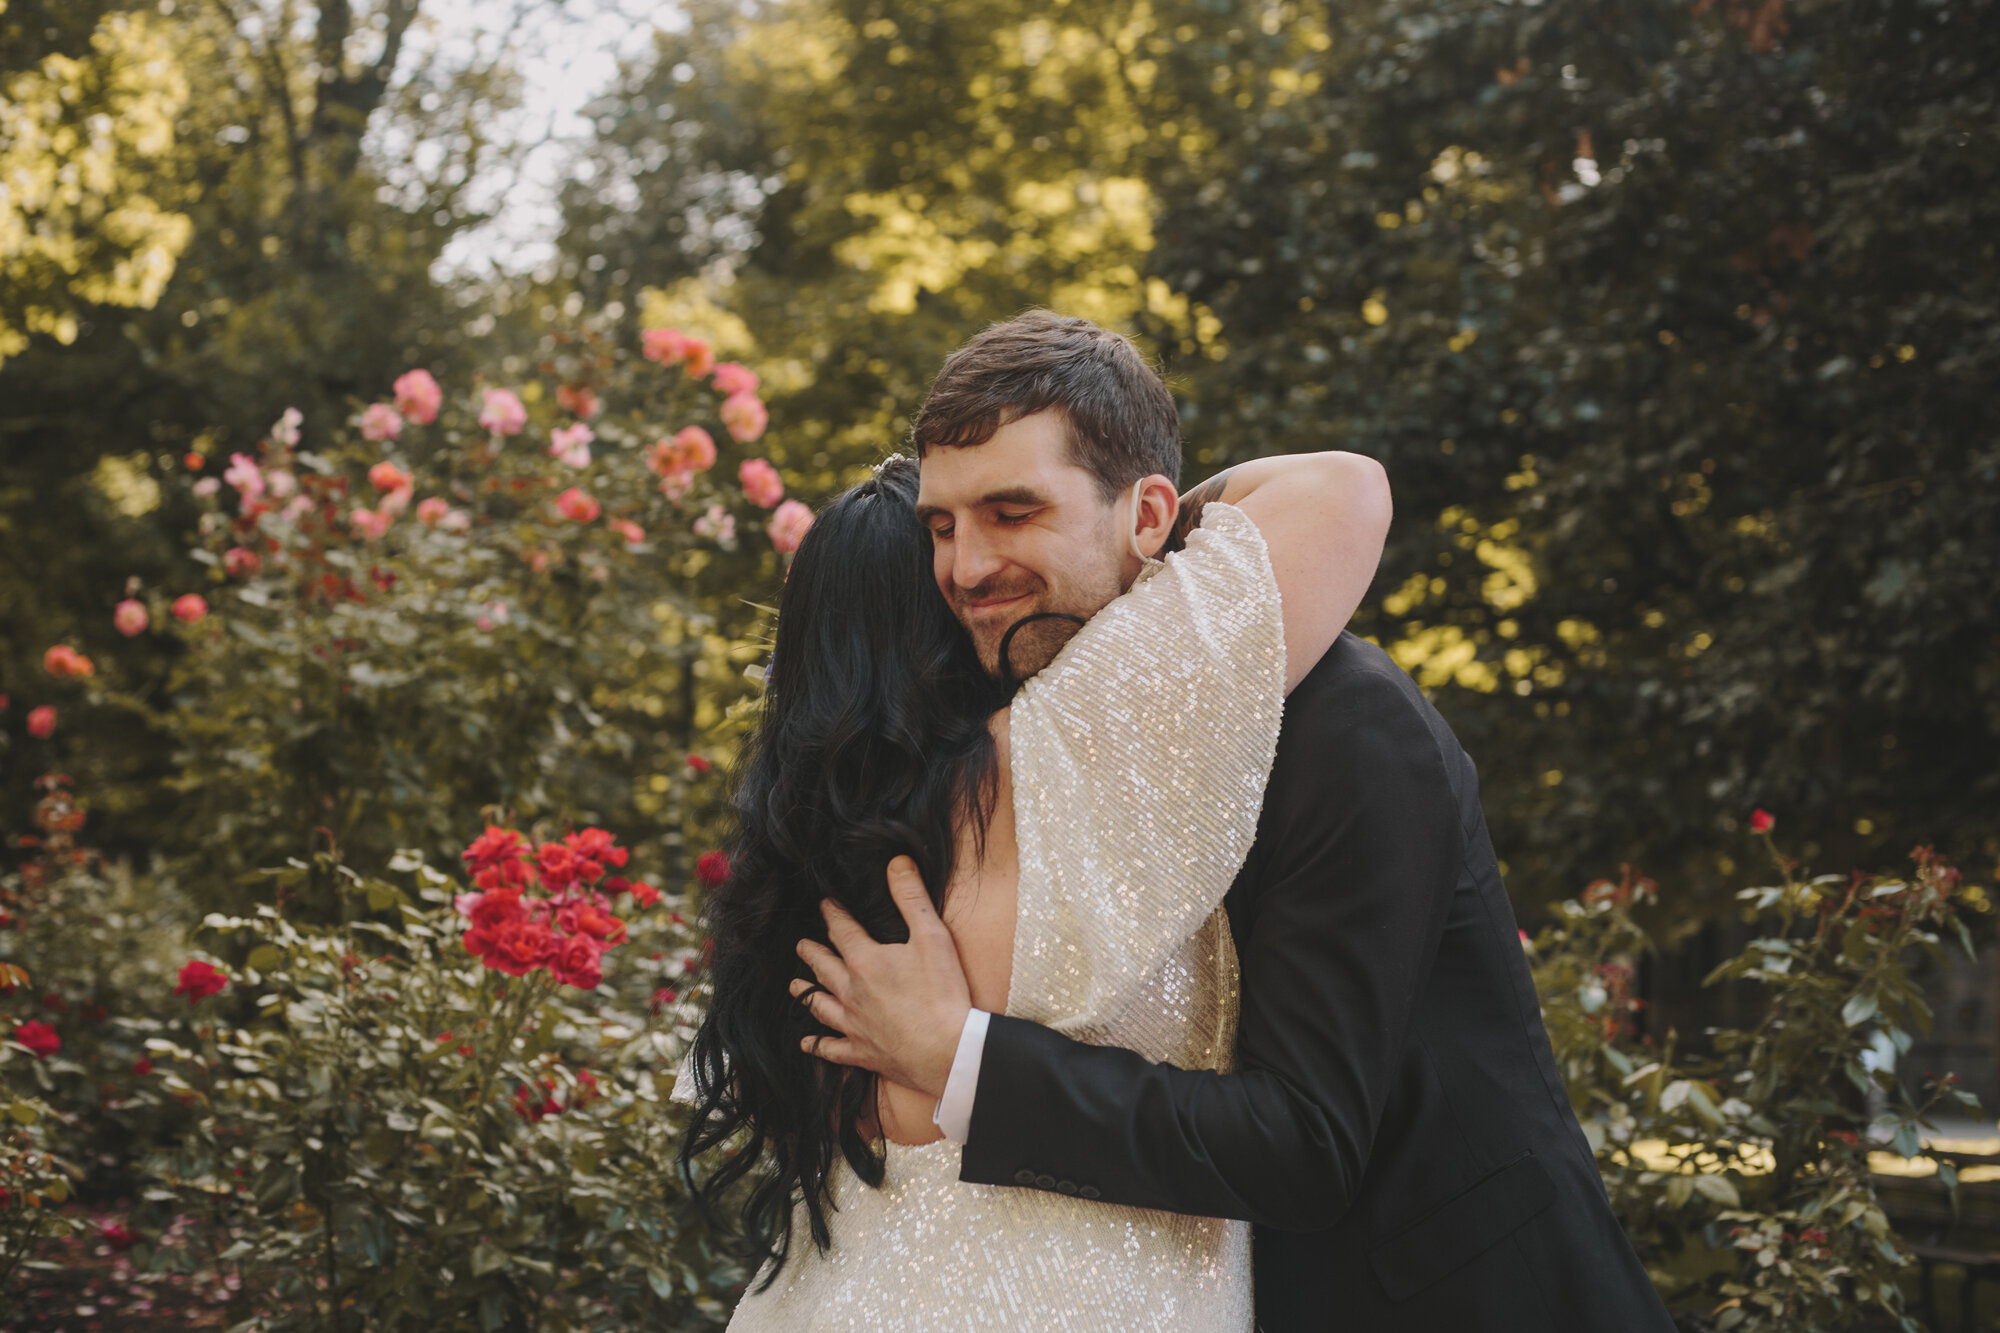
x: 1120, y: 418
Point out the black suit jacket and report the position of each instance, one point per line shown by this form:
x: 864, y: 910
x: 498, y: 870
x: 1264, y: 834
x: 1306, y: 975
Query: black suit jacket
x: 1396, y: 1128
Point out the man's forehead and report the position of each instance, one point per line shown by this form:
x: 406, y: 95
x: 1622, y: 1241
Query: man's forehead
x: 1029, y: 455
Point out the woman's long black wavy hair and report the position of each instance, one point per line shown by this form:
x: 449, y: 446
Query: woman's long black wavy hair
x: 872, y: 744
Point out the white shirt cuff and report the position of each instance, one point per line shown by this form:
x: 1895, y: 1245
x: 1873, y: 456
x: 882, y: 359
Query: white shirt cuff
x: 954, y: 1109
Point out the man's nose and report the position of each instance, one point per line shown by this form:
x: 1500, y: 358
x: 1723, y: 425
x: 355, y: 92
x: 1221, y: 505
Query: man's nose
x: 974, y: 559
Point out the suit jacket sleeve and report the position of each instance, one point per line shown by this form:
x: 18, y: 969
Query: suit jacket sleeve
x: 1359, y: 848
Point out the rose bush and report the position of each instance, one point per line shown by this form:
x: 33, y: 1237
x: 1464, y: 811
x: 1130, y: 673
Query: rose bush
x: 1741, y: 1172
x: 493, y: 601
x: 465, y: 601
x: 455, y: 1117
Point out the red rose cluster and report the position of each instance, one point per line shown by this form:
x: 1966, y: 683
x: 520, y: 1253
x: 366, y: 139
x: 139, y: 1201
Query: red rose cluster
x: 567, y: 929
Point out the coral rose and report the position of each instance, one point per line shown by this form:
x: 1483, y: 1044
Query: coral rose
x: 502, y: 413
x: 190, y: 607
x: 643, y: 894
x: 666, y: 346
x: 381, y: 422
x: 732, y: 377
x: 432, y: 508
x: 761, y: 484
x: 198, y: 980
x: 388, y: 477
x: 38, y: 1037
x: 698, y: 357
x: 65, y: 663
x: 745, y: 416
x: 418, y: 396
x: 42, y: 722
x: 130, y: 617
x: 575, y: 505
x: 580, y: 399
x: 788, y: 525
x: 697, y: 448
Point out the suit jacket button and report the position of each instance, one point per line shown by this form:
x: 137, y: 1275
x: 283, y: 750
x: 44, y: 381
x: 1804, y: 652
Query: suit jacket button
x: 1046, y: 1182
x: 1089, y: 1192
x: 1024, y: 1177
x: 1066, y: 1187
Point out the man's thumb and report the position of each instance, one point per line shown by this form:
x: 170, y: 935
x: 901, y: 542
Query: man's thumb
x: 906, y: 886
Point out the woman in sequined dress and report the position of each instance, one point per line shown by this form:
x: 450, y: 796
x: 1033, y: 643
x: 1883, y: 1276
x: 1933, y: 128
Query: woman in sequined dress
x: 1082, y: 862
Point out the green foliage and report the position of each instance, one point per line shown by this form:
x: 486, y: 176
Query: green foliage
x: 1674, y: 333
x: 1742, y: 1174
x: 403, y: 1139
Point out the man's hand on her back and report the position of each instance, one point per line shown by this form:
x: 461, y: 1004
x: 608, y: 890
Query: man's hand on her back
x: 900, y: 1006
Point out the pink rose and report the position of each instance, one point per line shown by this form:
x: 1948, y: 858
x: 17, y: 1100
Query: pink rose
x: 629, y: 530
x: 130, y: 617
x: 190, y: 607
x: 577, y: 506
x: 281, y: 482
x: 241, y: 561
x: 431, y: 509
x: 697, y: 448
x: 455, y: 521
x: 41, y: 722
x: 369, y: 524
x: 245, y: 476
x: 285, y: 430
x: 666, y: 346
x: 572, y: 444
x: 761, y: 484
x: 698, y: 357
x: 502, y: 412
x: 744, y: 415
x: 208, y: 486
x: 418, y: 396
x: 395, y: 502
x: 718, y: 524
x: 788, y: 525
x: 381, y: 422
x: 732, y: 378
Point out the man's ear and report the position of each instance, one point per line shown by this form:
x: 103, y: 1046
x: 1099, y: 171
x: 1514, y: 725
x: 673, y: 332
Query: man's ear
x: 1159, y: 506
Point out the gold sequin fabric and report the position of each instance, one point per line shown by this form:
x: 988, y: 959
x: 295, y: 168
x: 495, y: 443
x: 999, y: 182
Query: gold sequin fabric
x: 1139, y: 756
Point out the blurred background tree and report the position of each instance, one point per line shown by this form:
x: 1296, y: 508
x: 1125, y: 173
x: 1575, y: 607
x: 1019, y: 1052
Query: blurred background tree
x: 1674, y: 324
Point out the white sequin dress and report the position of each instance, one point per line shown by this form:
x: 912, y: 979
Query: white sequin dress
x: 1139, y: 758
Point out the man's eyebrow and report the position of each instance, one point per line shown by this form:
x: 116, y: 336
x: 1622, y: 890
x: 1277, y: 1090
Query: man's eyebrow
x: 1011, y: 495
x: 1014, y: 495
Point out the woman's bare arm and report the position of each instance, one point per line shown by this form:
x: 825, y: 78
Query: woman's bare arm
x: 1324, y: 518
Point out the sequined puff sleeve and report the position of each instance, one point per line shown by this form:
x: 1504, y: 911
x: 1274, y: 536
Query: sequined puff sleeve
x: 1139, y: 758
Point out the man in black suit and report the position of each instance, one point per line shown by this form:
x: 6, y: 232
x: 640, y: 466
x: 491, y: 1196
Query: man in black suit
x: 1396, y: 1130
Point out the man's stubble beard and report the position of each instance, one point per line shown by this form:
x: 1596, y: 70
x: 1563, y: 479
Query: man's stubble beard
x: 1083, y: 593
